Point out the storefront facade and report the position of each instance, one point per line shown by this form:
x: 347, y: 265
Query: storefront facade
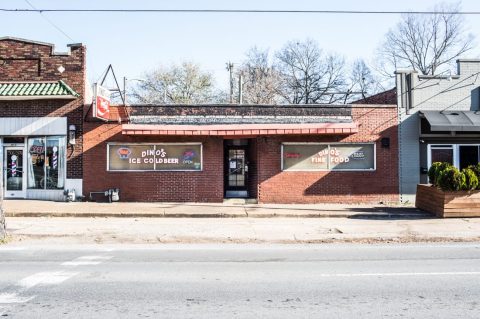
x: 274, y: 154
x: 438, y: 121
x: 41, y: 119
x: 51, y: 143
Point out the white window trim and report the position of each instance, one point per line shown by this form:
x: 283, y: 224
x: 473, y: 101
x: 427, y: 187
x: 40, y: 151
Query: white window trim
x: 26, y: 150
x: 456, y: 152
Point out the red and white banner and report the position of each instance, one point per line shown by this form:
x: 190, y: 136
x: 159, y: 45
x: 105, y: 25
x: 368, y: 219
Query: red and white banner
x: 101, y: 103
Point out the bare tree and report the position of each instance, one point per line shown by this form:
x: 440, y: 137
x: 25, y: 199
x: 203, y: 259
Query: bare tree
x: 260, y: 80
x: 309, y: 76
x: 177, y: 84
x: 425, y: 43
x: 361, y: 83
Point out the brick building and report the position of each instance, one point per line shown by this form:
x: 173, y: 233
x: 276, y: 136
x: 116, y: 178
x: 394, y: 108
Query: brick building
x: 276, y: 154
x: 49, y: 143
x: 41, y: 104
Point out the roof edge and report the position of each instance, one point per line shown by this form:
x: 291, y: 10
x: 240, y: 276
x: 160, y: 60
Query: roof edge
x: 51, y: 45
x: 235, y: 105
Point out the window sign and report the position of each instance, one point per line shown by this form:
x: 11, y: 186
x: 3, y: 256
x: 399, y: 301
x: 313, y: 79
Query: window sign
x: 155, y: 157
x: 316, y: 156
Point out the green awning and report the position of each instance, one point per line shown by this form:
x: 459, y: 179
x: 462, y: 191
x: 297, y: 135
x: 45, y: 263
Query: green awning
x: 36, y: 90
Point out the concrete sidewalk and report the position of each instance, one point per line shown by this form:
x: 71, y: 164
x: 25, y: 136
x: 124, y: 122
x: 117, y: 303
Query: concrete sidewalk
x: 32, y: 208
x: 80, y: 230
x: 80, y: 223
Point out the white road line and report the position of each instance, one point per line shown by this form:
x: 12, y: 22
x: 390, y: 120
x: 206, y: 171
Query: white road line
x: 87, y: 260
x: 12, y: 248
x: 45, y: 278
x: 395, y: 274
x: 7, y: 298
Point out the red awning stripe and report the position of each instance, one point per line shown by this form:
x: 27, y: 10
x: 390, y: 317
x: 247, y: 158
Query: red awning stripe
x: 240, y: 129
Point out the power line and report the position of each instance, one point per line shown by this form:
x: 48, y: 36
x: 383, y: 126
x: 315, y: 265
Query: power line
x: 50, y: 21
x: 240, y: 11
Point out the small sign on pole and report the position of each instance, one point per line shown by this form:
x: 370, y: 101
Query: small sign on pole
x: 101, y: 102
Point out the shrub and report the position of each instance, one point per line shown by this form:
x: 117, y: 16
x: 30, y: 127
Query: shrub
x: 451, y: 179
x: 471, y: 179
x: 435, y: 170
x: 476, y: 170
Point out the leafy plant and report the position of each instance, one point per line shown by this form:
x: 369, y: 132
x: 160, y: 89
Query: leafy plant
x: 471, y: 179
x: 435, y: 170
x: 476, y: 170
x: 451, y: 179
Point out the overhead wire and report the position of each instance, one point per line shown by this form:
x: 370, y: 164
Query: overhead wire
x: 50, y: 21
x: 428, y: 12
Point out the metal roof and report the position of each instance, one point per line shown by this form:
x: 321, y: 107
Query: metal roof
x: 235, y: 119
x: 36, y: 90
x: 460, y: 121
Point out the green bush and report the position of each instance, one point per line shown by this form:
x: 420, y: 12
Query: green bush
x: 476, y: 170
x: 471, y: 179
x: 435, y: 170
x: 451, y: 179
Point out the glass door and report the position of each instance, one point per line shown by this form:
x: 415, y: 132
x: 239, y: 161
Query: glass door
x: 236, y: 170
x: 14, y: 179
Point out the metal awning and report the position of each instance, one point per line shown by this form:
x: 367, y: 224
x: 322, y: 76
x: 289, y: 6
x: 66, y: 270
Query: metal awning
x: 36, y: 90
x: 240, y: 129
x: 460, y: 121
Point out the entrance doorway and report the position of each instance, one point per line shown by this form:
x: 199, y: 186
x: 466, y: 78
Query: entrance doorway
x: 14, y: 175
x: 236, y: 171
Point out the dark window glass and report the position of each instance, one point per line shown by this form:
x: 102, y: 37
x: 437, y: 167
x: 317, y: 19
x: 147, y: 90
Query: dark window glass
x: 468, y: 155
x: 13, y: 140
x: 442, y: 155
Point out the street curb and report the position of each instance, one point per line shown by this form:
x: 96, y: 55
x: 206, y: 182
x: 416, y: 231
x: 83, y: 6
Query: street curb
x: 221, y: 215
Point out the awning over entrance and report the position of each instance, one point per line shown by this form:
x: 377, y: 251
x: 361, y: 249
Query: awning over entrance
x: 460, y: 121
x: 240, y: 129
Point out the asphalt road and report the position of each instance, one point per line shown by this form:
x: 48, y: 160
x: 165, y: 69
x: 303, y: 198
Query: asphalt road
x: 241, y: 281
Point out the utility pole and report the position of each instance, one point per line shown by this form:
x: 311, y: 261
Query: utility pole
x: 230, y: 69
x: 125, y: 91
x: 2, y: 212
x: 240, y: 89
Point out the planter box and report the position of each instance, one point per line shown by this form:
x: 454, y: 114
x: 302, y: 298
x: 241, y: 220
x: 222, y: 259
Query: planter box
x: 448, y: 204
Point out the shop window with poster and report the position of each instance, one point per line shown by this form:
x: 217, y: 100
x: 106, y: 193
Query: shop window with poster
x: 46, y: 162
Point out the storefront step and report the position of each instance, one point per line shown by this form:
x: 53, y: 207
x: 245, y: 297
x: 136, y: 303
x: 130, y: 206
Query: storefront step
x: 240, y: 201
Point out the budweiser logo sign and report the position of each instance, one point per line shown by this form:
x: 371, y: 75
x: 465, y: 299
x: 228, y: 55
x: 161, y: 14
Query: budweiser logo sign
x: 124, y: 152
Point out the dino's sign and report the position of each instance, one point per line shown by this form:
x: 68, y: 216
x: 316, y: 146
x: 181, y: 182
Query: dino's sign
x: 155, y: 157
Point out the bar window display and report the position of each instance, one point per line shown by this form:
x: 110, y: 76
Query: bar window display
x: 323, y: 156
x: 46, y: 162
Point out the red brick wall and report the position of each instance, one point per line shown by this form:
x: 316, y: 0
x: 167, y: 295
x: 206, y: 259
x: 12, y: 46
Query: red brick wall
x: 273, y: 185
x: 205, y: 186
x: 27, y: 61
x: 375, y: 122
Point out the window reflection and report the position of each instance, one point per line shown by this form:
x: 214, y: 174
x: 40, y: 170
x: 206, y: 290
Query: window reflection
x: 46, y: 162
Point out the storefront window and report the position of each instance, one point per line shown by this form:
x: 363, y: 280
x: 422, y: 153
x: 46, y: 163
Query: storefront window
x: 36, y: 163
x: 155, y: 157
x: 468, y: 155
x: 320, y: 156
x: 46, y: 162
x: 442, y: 154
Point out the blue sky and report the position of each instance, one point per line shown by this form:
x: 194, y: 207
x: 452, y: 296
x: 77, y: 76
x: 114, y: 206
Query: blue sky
x: 134, y: 43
